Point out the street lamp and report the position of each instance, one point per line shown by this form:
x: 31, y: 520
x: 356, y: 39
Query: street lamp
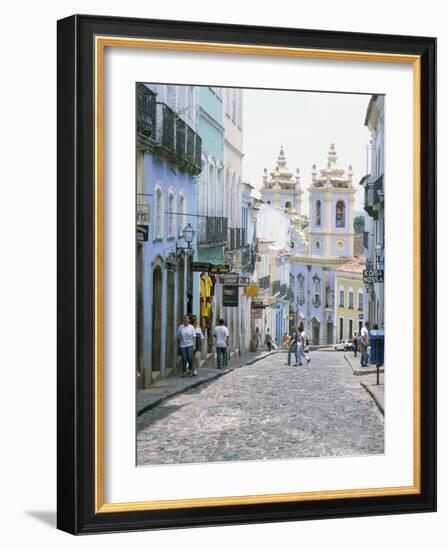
x: 188, y: 234
x: 378, y: 251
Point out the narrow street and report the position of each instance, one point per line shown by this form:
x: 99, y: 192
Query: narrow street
x: 265, y: 411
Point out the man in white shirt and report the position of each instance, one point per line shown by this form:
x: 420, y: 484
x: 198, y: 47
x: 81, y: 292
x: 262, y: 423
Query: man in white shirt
x: 186, y: 338
x: 221, y: 334
x: 364, y: 341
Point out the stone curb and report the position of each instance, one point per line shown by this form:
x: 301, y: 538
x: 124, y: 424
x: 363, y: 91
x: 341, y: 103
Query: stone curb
x: 197, y: 383
x: 364, y: 371
x: 374, y: 397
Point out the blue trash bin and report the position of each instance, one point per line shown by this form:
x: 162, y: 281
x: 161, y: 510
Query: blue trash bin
x: 377, y: 347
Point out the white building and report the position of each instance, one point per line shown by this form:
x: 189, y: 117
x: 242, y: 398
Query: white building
x: 373, y: 185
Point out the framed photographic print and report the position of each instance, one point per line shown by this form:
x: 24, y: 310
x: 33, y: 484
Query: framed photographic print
x: 246, y: 274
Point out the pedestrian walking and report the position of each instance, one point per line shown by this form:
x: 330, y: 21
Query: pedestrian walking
x: 293, y: 345
x: 365, y: 341
x: 186, y: 338
x: 268, y: 340
x: 257, y: 339
x: 221, y: 334
x: 199, y: 346
x: 303, y: 350
x: 355, y: 344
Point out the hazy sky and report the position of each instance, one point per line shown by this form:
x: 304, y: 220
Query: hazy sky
x: 305, y: 123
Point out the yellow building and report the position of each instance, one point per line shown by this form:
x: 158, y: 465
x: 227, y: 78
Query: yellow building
x: 349, y: 299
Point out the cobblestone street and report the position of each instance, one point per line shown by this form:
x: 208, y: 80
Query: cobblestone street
x: 265, y: 411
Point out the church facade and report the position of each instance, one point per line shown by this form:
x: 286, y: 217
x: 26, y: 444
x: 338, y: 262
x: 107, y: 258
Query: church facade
x: 329, y: 245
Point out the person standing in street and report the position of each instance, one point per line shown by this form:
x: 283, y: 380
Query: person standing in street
x: 365, y: 340
x: 221, y: 334
x: 268, y: 340
x: 186, y: 338
x: 199, y: 345
x: 257, y: 339
x: 303, y: 351
x: 293, y: 346
x: 355, y: 344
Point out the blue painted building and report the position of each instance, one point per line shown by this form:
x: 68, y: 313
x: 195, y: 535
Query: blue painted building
x: 168, y: 158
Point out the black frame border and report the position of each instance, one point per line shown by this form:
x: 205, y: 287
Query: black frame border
x: 76, y: 263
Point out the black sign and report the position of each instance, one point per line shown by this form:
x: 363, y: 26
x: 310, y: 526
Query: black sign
x: 230, y: 296
x: 229, y: 279
x: 201, y: 266
x: 257, y: 305
x: 373, y: 276
x: 142, y: 233
x: 219, y: 269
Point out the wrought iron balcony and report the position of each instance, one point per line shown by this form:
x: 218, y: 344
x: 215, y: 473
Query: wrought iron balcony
x: 212, y: 231
x: 275, y: 287
x: 161, y: 131
x: 146, y: 111
x: 283, y: 291
x: 236, y: 238
x: 373, y: 196
x: 264, y: 282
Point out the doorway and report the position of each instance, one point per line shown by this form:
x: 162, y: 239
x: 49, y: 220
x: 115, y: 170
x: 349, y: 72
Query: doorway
x: 157, y: 287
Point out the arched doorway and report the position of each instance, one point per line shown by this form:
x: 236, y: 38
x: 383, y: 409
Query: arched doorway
x: 157, y: 288
x: 140, y: 308
x: 170, y: 338
x: 180, y: 289
x: 315, y: 327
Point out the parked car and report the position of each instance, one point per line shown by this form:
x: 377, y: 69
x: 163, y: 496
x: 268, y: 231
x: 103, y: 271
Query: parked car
x: 344, y: 345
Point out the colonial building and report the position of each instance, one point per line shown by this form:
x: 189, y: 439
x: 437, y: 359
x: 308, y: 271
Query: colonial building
x: 349, y: 299
x: 168, y: 158
x: 330, y: 237
x: 373, y: 185
x: 212, y: 232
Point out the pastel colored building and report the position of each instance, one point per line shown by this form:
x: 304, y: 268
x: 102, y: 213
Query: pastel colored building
x: 168, y: 159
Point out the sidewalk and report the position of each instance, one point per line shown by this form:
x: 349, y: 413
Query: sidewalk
x: 168, y: 387
x: 369, y: 380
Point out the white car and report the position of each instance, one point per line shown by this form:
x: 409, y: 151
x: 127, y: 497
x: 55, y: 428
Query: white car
x: 344, y: 345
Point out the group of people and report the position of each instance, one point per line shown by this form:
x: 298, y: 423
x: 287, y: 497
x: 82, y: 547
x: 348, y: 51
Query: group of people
x: 269, y: 342
x: 190, y: 340
x: 298, y: 346
x: 362, y: 342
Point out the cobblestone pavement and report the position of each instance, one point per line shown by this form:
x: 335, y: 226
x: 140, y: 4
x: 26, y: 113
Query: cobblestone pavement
x: 265, y: 411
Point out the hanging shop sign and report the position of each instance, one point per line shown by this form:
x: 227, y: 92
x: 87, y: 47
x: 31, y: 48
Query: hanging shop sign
x: 219, y: 269
x: 251, y: 290
x: 373, y: 276
x: 257, y: 305
x: 201, y: 266
x: 142, y: 233
x: 229, y: 279
x: 230, y: 296
x: 244, y: 281
x: 142, y: 214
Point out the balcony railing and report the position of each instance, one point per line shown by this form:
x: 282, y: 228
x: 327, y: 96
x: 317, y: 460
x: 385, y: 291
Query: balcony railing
x: 283, y: 290
x: 146, y: 111
x: 264, y: 282
x: 162, y: 131
x: 275, y: 287
x: 373, y: 195
x: 212, y: 230
x: 237, y: 238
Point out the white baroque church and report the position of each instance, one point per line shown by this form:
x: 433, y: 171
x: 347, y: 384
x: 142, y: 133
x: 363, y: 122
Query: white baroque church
x: 320, y: 250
